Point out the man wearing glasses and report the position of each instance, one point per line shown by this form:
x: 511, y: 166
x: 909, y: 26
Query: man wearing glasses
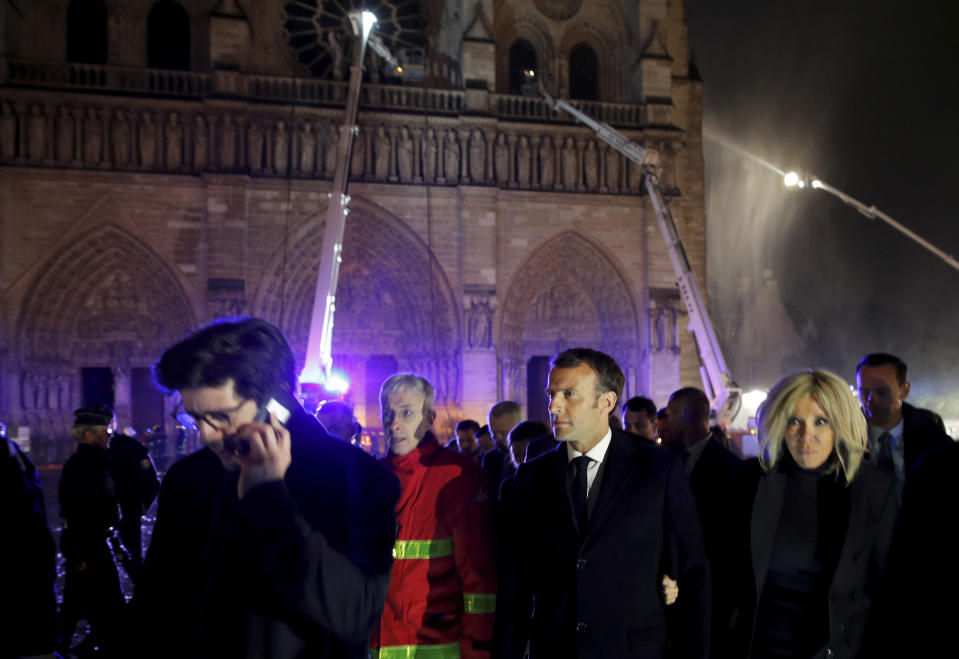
x: 90, y: 509
x: 275, y: 540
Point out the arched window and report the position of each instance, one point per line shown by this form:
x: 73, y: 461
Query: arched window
x: 168, y: 37
x: 87, y: 32
x: 522, y: 57
x: 583, y: 73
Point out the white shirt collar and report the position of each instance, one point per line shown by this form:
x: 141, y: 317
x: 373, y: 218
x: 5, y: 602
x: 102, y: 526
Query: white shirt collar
x: 597, y: 453
x: 875, y: 432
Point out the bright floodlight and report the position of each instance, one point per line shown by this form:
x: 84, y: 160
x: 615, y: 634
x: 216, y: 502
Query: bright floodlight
x: 753, y: 399
x: 369, y: 20
x: 791, y: 179
x: 816, y: 183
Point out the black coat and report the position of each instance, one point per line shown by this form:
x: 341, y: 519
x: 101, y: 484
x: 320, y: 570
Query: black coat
x: 922, y: 430
x: 723, y: 486
x: 298, y: 568
x: 600, y: 596
x: 857, y: 578
x: 28, y: 606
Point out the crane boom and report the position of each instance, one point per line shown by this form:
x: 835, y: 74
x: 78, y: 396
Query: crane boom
x: 724, y: 394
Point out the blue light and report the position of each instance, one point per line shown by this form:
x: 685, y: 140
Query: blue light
x: 337, y: 382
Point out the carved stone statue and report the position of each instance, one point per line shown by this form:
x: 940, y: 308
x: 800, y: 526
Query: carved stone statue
x: 254, y: 146
x: 430, y: 150
x: 336, y: 50
x: 318, y: 138
x: 37, y: 132
x: 65, y: 135
x: 501, y: 159
x: 305, y: 148
x: 569, y: 173
x: 381, y: 154
x: 546, y: 162
x: 332, y: 148
x: 524, y: 159
x: 92, y: 137
x: 8, y: 132
x: 228, y: 144
x: 173, y: 133
x: 200, y: 143
x: 451, y: 156
x: 280, y: 148
x: 121, y: 138
x: 479, y: 325
x: 477, y: 156
x: 404, y: 154
x: 148, y: 141
x: 612, y: 169
x: 591, y: 165
x: 358, y: 158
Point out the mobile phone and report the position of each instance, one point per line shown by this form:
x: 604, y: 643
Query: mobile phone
x: 273, y: 410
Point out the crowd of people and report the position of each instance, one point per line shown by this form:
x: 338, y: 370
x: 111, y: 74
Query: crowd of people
x: 617, y: 530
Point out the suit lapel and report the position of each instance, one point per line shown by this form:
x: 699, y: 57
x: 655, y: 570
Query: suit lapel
x: 767, y: 509
x: 618, y: 470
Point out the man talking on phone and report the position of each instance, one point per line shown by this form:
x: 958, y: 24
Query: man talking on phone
x: 275, y: 540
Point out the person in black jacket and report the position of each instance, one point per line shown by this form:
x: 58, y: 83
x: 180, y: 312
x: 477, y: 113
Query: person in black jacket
x: 275, y: 540
x: 821, y: 527
x: 898, y: 432
x: 590, y: 530
x: 90, y: 511
x: 28, y: 606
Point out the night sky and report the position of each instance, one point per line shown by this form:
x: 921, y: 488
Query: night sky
x: 865, y: 95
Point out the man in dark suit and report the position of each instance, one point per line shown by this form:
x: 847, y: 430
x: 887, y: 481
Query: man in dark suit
x: 275, y: 541
x: 639, y: 418
x: 722, y: 501
x: 898, y: 432
x: 591, y: 529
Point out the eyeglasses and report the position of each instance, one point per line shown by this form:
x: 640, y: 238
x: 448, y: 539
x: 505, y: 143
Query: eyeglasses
x: 219, y: 420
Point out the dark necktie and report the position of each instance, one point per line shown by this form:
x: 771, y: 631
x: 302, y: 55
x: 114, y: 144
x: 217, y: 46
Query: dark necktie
x: 580, y: 466
x: 884, y: 452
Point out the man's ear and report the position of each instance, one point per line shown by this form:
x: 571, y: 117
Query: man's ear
x: 431, y: 417
x: 904, y: 391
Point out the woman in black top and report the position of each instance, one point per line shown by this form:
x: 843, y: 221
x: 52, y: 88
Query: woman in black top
x: 821, y: 524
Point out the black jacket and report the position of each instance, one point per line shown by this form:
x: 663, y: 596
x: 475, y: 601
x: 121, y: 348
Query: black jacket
x: 858, y: 575
x: 298, y: 568
x: 28, y: 607
x: 723, y: 486
x: 921, y: 430
x: 600, y: 596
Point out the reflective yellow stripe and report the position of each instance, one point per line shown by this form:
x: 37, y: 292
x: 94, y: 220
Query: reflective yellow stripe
x: 423, y: 548
x: 448, y: 651
x: 479, y: 603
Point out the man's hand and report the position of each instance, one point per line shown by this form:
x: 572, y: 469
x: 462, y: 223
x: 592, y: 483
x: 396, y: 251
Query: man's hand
x: 670, y: 590
x: 269, y: 456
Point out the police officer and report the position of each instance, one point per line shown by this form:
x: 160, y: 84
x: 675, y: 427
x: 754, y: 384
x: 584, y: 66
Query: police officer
x: 89, y: 508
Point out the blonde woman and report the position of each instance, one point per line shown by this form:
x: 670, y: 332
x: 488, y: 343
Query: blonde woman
x: 822, y: 522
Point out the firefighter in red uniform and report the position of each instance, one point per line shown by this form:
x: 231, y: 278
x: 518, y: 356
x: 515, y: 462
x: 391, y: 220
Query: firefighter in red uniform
x: 442, y: 594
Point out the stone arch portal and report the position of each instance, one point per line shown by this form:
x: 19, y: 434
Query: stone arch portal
x: 568, y: 293
x: 393, y: 301
x: 107, y: 301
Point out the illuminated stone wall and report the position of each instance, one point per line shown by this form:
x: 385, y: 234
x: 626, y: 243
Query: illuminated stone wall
x: 485, y: 230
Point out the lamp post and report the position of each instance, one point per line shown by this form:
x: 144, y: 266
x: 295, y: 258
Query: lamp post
x: 795, y: 179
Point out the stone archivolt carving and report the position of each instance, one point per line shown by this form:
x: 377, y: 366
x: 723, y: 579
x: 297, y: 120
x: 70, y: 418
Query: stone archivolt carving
x: 558, y: 10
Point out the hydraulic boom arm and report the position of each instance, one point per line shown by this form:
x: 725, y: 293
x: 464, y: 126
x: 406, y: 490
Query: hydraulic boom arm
x: 722, y: 391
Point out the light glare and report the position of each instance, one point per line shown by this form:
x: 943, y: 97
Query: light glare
x: 791, y: 179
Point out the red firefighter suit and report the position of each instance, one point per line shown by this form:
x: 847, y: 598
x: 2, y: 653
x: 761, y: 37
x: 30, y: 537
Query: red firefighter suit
x: 442, y: 594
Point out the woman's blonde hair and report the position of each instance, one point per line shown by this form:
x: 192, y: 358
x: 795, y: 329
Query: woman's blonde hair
x: 837, y: 401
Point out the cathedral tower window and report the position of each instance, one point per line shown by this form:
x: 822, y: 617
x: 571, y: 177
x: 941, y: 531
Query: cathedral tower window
x: 87, y: 32
x: 168, y: 37
x: 522, y: 58
x: 583, y: 73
